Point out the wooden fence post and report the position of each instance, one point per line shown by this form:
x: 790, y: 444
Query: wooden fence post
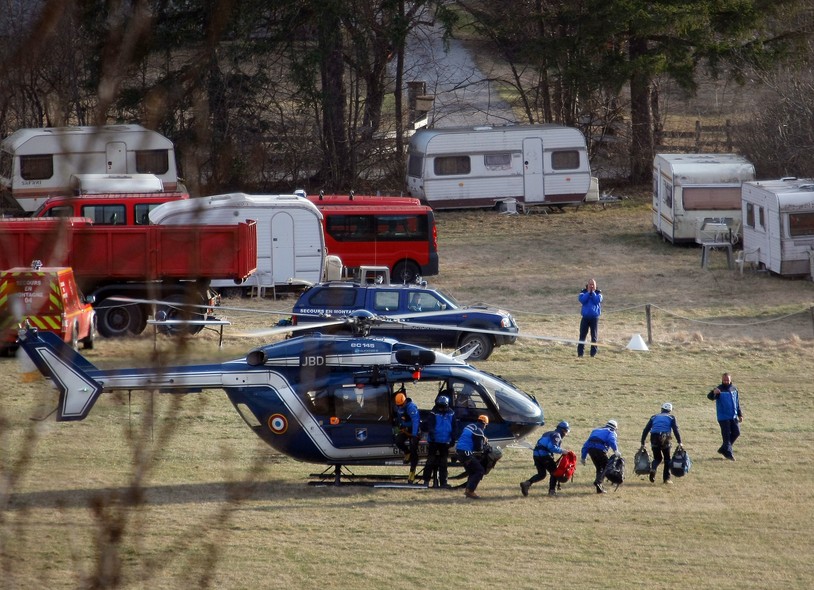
x: 649, y: 326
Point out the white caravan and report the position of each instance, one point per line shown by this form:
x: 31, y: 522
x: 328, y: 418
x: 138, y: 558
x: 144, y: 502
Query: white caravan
x: 290, y: 243
x: 483, y: 166
x: 778, y: 225
x: 690, y: 190
x: 38, y: 163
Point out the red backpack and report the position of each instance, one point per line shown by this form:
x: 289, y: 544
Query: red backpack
x: 566, y: 467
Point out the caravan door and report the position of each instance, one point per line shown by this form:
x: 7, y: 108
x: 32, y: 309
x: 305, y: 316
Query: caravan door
x: 116, y: 157
x: 533, y: 181
x: 282, y: 248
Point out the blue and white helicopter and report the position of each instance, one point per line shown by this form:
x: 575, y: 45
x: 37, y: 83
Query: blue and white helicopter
x: 317, y: 398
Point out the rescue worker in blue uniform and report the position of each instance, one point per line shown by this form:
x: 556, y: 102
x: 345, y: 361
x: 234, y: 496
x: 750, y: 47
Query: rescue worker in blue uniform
x: 547, y: 446
x: 440, y: 426
x: 472, y: 441
x: 661, y: 426
x: 599, y: 442
x: 591, y: 300
x: 728, y: 410
x: 408, y: 424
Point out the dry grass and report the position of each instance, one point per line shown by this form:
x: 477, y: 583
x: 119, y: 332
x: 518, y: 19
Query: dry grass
x: 222, y: 510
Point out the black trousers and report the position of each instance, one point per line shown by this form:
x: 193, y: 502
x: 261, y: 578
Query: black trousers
x: 437, y: 463
x: 600, y: 460
x: 662, y: 450
x: 585, y: 325
x: 408, y: 444
x: 474, y: 469
x: 545, y: 466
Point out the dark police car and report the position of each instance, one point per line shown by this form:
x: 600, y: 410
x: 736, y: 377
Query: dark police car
x: 428, y: 308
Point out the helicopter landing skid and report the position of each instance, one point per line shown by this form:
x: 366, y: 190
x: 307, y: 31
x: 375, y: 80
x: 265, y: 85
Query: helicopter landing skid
x: 341, y: 475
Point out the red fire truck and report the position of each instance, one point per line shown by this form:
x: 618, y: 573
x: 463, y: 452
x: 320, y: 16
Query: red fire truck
x: 174, y: 264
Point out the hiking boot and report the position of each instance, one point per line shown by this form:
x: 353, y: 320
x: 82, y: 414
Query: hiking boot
x: 668, y: 481
x: 524, y: 487
x: 730, y: 457
x: 599, y: 489
x: 652, y: 477
x: 445, y: 486
x: 552, y: 492
x: 411, y: 477
x: 722, y: 452
x: 471, y: 494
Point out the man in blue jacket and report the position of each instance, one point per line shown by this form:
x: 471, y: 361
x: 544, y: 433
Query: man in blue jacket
x: 545, y: 449
x: 728, y: 409
x: 440, y: 425
x: 597, y: 446
x: 591, y: 300
x: 471, y: 442
x: 408, y: 424
x: 660, y: 426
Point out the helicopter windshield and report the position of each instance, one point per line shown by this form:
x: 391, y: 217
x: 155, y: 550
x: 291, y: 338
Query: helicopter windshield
x: 513, y: 404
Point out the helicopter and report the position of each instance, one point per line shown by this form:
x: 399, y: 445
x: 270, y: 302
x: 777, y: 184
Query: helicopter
x: 318, y: 398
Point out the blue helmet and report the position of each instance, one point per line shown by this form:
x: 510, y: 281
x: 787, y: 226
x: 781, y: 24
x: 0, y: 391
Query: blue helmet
x: 564, y: 426
x: 443, y: 401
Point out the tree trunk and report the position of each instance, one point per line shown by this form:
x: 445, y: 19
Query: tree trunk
x: 641, y: 145
x: 334, y: 140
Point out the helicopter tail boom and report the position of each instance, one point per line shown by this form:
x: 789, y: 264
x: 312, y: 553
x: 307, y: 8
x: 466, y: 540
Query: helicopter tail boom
x: 67, y: 369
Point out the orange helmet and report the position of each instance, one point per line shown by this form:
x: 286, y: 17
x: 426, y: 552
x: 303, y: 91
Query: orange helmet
x: 483, y: 418
x: 400, y: 399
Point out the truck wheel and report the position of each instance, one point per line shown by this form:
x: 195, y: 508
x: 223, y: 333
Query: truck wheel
x: 118, y: 319
x: 75, y: 336
x: 405, y: 272
x: 481, y: 342
x: 176, y: 310
x: 90, y: 339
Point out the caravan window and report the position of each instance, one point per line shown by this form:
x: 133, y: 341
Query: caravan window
x: 712, y: 198
x: 415, y: 164
x: 801, y: 224
x: 750, y: 215
x: 452, y: 165
x: 761, y: 219
x: 152, y: 161
x: 668, y: 195
x: 497, y: 161
x: 565, y: 160
x: 37, y: 167
x: 5, y: 164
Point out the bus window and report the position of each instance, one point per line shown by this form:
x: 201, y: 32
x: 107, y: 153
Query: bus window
x: 105, y: 214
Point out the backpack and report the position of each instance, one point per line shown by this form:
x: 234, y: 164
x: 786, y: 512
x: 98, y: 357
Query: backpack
x: 615, y: 470
x: 641, y: 462
x: 680, y: 463
x: 566, y: 467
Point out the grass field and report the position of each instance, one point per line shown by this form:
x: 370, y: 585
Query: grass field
x: 188, y: 497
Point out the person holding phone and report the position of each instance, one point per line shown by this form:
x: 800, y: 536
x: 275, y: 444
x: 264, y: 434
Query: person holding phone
x: 591, y: 300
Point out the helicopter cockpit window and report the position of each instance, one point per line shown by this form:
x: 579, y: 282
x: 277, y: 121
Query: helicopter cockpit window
x: 367, y: 403
x: 468, y: 403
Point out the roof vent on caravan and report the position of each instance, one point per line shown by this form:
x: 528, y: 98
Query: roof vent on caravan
x: 98, y: 184
x: 806, y: 188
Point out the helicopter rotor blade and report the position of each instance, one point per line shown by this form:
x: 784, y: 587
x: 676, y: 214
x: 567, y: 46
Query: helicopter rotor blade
x: 499, y: 333
x: 198, y: 306
x: 311, y: 326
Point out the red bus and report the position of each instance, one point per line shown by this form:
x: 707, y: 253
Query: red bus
x: 397, y: 232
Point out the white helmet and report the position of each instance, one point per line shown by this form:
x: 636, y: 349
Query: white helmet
x: 612, y: 424
x: 667, y: 406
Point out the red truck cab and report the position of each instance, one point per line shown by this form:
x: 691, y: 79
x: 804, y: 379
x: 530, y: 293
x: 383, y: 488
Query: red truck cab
x: 48, y: 299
